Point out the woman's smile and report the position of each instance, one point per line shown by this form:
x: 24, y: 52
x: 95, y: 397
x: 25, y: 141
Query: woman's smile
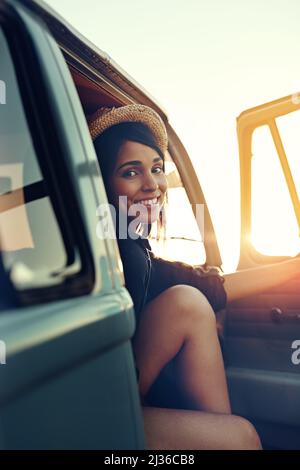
x: 150, y: 202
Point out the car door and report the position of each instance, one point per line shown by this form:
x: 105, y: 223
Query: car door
x: 67, y: 377
x: 261, y: 341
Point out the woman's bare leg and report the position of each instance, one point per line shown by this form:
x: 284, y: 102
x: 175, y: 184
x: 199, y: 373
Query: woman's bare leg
x: 182, y: 429
x: 181, y: 321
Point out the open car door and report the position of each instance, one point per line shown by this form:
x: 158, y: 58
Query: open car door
x: 262, y: 338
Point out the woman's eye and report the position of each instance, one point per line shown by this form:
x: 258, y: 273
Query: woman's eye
x: 129, y: 173
x: 157, y: 169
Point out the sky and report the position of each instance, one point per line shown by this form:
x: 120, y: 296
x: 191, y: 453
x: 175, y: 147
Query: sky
x: 205, y: 61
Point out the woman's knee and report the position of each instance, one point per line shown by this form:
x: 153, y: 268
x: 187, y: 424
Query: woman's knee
x: 181, y: 307
x: 247, y: 436
x: 193, y: 304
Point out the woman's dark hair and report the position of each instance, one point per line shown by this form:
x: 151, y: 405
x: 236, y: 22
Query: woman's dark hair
x: 108, y: 144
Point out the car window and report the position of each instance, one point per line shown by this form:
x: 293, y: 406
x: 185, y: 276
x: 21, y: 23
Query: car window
x: 274, y: 228
x: 182, y: 241
x: 32, y: 247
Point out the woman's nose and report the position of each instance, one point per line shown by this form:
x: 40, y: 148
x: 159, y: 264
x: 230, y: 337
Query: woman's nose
x: 149, y: 182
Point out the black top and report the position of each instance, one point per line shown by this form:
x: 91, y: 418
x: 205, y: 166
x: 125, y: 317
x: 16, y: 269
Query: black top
x: 147, y: 276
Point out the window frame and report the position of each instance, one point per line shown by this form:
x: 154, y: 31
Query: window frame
x: 50, y: 156
x: 247, y: 122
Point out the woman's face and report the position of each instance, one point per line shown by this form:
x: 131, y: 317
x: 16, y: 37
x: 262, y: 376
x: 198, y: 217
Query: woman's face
x: 139, y: 176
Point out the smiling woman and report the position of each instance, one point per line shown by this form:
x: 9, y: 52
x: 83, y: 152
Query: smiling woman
x: 142, y: 181
x: 135, y: 185
x: 173, y: 301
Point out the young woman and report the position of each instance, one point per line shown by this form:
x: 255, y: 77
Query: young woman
x: 174, y: 302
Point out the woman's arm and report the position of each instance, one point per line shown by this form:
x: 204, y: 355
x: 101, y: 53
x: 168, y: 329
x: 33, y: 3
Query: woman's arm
x: 255, y: 280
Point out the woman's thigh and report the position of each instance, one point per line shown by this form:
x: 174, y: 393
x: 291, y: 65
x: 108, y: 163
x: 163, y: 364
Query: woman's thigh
x: 165, y: 325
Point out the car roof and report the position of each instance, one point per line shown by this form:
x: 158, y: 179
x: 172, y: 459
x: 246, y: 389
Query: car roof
x: 71, y: 40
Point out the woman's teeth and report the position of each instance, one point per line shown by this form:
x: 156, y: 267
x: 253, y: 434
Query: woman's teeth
x: 148, y: 202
